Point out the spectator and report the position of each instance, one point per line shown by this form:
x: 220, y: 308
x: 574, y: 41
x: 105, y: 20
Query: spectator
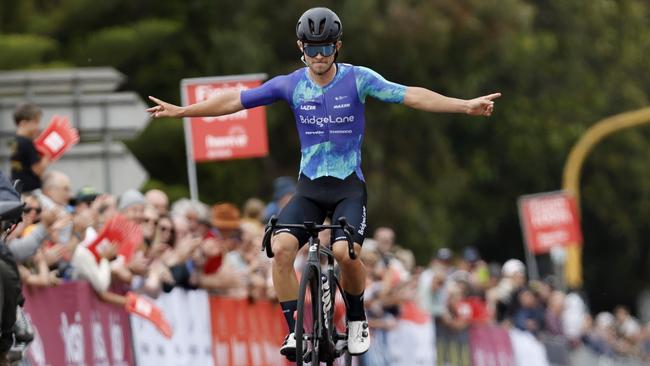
x: 283, y: 190
x: 230, y: 274
x: 626, y: 326
x: 85, y: 196
x: 477, y: 268
x: 131, y: 204
x: 194, y: 213
x: 385, y: 238
x: 55, y: 191
x: 529, y: 316
x: 158, y: 199
x: 36, y: 227
x: 443, y: 259
x: 573, y: 317
x: 503, y: 299
x: 150, y: 218
x: 380, y: 321
x: 553, y: 316
x: 253, y: 212
x: 458, y: 313
x: 26, y: 163
x: 432, y: 293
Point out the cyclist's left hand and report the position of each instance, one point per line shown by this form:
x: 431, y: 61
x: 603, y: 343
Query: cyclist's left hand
x: 482, y: 106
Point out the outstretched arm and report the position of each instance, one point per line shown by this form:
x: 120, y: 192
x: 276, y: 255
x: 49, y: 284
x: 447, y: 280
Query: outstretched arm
x: 427, y: 100
x: 220, y: 104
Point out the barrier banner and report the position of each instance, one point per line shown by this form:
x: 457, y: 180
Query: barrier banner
x: 414, y: 332
x: 245, y: 333
x: 188, y: 313
x: 490, y: 345
x: 74, y: 328
x: 526, y: 349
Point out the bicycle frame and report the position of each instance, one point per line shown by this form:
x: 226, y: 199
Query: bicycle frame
x: 324, y: 329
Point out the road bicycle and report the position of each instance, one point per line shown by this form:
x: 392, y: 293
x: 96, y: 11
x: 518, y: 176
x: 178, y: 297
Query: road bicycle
x: 324, y: 343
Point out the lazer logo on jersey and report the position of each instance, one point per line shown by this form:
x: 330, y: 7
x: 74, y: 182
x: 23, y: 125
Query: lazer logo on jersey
x: 307, y: 107
x: 321, y: 121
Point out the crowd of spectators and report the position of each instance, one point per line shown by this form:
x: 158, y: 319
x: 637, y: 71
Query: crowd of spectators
x: 460, y: 291
x: 193, y: 245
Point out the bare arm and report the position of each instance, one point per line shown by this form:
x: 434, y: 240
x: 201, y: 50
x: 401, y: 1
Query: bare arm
x: 39, y: 168
x: 220, y: 104
x: 427, y: 100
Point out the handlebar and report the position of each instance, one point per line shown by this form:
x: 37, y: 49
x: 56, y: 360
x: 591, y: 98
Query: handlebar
x: 312, y: 229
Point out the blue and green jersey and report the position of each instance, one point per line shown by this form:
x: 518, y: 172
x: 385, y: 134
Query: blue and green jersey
x: 330, y: 119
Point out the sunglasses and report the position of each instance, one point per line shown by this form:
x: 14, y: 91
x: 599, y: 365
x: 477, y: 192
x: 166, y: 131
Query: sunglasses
x: 30, y: 209
x: 165, y: 228
x: 312, y: 50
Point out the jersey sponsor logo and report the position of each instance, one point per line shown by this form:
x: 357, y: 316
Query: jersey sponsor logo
x: 344, y: 105
x: 307, y: 107
x: 321, y: 121
x: 340, y: 97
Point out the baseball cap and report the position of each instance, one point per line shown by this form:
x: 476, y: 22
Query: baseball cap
x: 471, y: 254
x: 85, y: 194
x: 129, y: 198
x: 444, y: 254
x: 513, y: 266
x: 283, y: 186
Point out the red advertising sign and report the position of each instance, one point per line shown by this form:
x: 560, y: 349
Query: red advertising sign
x: 238, y: 135
x: 74, y: 328
x: 549, y: 220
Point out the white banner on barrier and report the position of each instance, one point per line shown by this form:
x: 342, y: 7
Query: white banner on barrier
x: 188, y: 313
x: 415, y: 337
x: 527, y: 349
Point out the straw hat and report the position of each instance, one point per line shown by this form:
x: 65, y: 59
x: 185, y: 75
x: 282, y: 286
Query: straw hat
x: 225, y: 216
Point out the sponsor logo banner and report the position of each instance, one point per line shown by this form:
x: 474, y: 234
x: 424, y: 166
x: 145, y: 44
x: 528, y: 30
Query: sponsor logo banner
x: 191, y: 342
x: 74, y: 328
x: 238, y: 135
x: 549, y: 220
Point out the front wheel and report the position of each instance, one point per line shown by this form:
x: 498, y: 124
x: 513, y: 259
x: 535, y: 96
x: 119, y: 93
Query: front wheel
x: 308, y: 326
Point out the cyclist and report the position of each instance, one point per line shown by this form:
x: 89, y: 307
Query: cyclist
x: 328, y: 101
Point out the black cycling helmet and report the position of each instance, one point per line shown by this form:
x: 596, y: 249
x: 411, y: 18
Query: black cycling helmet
x: 319, y: 25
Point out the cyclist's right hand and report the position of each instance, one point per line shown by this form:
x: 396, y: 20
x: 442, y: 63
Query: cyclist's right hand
x: 164, y: 109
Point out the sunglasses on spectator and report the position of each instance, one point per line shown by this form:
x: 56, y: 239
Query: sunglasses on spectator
x: 30, y: 209
x: 326, y: 50
x: 165, y: 228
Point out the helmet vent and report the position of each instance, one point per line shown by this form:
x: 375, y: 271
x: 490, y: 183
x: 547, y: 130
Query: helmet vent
x: 321, y: 26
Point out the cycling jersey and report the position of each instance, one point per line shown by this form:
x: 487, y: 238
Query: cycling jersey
x: 330, y: 119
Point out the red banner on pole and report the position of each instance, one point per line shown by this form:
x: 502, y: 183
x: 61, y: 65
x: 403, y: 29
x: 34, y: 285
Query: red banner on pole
x: 549, y: 220
x: 238, y: 135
